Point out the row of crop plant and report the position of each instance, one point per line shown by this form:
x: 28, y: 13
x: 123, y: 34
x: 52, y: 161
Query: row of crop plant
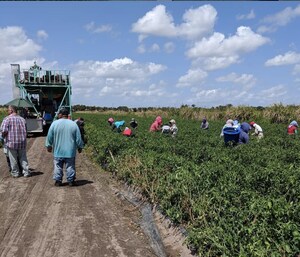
x: 241, y: 201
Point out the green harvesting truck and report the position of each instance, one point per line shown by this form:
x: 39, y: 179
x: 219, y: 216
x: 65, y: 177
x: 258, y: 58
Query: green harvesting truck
x: 47, y: 90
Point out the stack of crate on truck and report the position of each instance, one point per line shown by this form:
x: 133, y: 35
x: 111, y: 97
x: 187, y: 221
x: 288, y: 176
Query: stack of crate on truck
x: 47, y: 90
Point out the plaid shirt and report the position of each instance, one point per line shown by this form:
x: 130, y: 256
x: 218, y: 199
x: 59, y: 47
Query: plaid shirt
x: 15, y: 126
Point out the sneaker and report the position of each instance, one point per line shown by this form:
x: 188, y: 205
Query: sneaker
x: 57, y: 183
x: 72, y: 184
x: 27, y: 175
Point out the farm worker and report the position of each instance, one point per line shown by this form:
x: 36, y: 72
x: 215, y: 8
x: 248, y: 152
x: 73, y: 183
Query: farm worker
x: 204, y: 124
x: 110, y: 121
x: 236, y: 123
x: 156, y: 125
x: 173, y: 128
x: 80, y: 124
x: 127, y: 132
x: 133, y: 123
x: 14, y: 133
x: 166, y: 129
x: 117, y: 125
x: 63, y: 140
x: 228, y: 124
x: 293, y: 128
x: 257, y: 130
x: 6, y: 154
x: 244, y: 136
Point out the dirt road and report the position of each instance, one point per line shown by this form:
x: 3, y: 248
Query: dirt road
x: 38, y: 219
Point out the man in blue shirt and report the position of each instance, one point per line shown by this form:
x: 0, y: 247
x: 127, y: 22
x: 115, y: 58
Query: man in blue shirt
x: 64, y: 139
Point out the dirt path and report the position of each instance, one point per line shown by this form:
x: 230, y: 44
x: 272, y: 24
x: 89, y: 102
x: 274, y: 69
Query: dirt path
x: 40, y: 220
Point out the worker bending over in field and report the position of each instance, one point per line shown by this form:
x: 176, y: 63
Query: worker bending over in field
x: 133, y: 123
x: 293, y: 128
x: 173, y: 128
x: 110, y: 121
x: 156, y: 125
x: 127, y: 132
x: 116, y: 124
x: 257, y: 130
x: 228, y: 124
x: 166, y: 129
x: 204, y: 124
x: 244, y: 130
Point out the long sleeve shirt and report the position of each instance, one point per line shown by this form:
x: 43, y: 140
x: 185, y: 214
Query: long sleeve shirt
x: 65, y: 138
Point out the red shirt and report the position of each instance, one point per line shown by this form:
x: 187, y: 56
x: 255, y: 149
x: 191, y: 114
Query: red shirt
x: 292, y: 129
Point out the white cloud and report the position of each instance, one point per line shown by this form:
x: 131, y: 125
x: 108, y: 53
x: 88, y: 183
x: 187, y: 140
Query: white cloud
x: 169, y: 47
x: 15, y: 45
x: 114, y: 78
x: 280, y: 19
x: 248, y: 16
x: 245, y: 40
x: 155, y: 48
x: 286, y: 59
x: 243, y: 79
x: 156, y: 22
x: 42, y: 34
x: 216, y: 63
x: 296, y: 69
x: 196, y: 23
x: 141, y: 49
x: 274, y: 92
x: 193, y: 77
x: 152, y: 91
x: 93, y: 28
x: 16, y: 48
x: 218, y: 52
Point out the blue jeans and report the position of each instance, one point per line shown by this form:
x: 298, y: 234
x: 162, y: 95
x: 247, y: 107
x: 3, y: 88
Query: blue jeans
x: 58, y: 168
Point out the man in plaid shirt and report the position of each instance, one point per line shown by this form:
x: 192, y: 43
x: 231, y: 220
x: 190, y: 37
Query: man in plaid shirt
x: 14, y: 133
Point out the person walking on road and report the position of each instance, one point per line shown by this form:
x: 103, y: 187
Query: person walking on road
x: 14, y: 133
x: 64, y: 139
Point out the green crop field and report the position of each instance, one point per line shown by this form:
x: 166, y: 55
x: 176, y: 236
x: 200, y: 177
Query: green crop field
x: 232, y: 201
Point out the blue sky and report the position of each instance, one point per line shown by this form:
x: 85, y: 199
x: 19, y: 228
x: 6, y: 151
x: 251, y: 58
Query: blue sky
x: 158, y: 53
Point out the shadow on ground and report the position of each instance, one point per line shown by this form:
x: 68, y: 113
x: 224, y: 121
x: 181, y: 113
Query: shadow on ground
x: 78, y: 183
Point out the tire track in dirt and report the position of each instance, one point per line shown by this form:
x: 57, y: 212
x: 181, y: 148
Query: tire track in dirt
x: 30, y: 194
